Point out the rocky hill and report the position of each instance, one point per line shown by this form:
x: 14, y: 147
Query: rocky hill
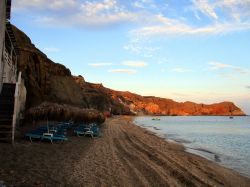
x: 52, y: 82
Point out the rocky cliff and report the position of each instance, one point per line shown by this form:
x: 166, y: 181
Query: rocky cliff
x: 52, y: 82
x: 150, y: 105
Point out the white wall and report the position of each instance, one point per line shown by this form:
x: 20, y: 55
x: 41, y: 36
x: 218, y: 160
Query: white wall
x: 2, y: 35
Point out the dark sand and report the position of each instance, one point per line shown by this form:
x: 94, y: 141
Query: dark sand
x: 125, y: 155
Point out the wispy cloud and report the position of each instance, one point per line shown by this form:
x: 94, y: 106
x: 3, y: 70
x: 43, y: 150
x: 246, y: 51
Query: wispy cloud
x: 127, y: 71
x: 219, y: 65
x: 100, y: 64
x: 170, y: 26
x: 236, y: 10
x: 44, y: 5
x: 216, y: 66
x: 143, y: 4
x: 180, y: 70
x: 51, y: 49
x: 141, y: 47
x: 134, y: 63
x: 146, y: 13
x: 226, y: 17
x: 206, y: 8
x: 86, y: 14
x: 248, y: 87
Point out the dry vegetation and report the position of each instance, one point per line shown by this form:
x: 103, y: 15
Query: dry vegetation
x: 58, y: 112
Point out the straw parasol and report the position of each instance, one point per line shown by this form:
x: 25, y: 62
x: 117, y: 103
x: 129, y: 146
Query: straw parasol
x: 53, y: 111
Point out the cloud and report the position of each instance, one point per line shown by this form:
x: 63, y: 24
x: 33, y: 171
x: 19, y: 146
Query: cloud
x: 44, y: 4
x: 127, y: 71
x: 241, y: 70
x: 248, y: 87
x: 51, y: 49
x: 86, y: 14
x: 180, y: 70
x: 234, y: 17
x: 146, y: 16
x: 236, y: 10
x: 150, y: 21
x: 206, y: 8
x: 143, y: 4
x: 100, y: 64
x: 141, y: 46
x: 168, y: 26
x: 135, y: 63
x: 221, y: 66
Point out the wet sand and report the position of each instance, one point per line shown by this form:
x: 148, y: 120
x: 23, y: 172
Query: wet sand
x: 125, y: 155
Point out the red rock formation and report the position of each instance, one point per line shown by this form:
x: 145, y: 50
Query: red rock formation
x: 52, y: 82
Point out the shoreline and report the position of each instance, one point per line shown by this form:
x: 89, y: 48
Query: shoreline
x: 125, y: 155
x: 196, y: 151
x: 189, y: 148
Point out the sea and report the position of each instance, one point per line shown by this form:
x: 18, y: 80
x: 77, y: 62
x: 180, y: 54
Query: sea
x: 221, y: 139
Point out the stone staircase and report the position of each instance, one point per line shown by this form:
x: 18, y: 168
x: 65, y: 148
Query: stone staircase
x: 6, y: 111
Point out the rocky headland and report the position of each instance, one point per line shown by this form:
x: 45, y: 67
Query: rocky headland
x: 47, y: 81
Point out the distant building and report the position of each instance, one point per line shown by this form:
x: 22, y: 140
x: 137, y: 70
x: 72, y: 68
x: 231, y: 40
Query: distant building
x: 12, y: 89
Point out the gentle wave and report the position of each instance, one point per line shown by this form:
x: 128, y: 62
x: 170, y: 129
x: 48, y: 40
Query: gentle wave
x: 220, y: 139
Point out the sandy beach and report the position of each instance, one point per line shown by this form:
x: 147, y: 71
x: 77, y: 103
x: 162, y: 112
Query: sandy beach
x: 124, y: 155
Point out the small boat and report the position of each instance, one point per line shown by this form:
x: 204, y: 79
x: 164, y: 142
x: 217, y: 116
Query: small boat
x: 231, y: 117
x: 158, y: 119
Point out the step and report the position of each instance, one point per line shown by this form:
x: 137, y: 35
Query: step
x: 6, y: 116
x: 6, y: 101
x: 6, y: 111
x: 4, y: 121
x: 9, y: 85
x: 12, y: 87
x: 2, y: 103
x: 7, y: 93
x: 6, y: 107
x: 5, y: 139
x: 5, y: 132
x: 6, y: 126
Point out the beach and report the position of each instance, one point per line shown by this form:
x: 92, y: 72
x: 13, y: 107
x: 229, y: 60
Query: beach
x: 124, y: 155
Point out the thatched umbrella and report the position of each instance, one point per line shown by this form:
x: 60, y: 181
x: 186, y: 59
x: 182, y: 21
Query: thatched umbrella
x: 53, y: 111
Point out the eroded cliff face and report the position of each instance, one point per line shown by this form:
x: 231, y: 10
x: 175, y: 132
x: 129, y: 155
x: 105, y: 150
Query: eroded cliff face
x: 150, y: 105
x: 37, y: 70
x: 52, y: 82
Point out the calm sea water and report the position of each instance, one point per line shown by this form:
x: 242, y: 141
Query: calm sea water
x: 221, y: 139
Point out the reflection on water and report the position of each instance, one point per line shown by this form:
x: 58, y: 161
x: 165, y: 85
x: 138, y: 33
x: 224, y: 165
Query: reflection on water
x: 221, y: 139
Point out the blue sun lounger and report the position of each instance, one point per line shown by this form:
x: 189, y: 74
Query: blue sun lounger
x: 35, y: 134
x: 84, y: 130
x: 53, y: 137
x: 42, y: 133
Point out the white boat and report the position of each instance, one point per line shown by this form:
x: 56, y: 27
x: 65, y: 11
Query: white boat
x: 158, y: 119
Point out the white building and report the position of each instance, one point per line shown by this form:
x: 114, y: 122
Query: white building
x: 12, y: 89
x: 8, y: 53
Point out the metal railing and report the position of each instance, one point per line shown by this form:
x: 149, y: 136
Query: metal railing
x: 9, y: 68
x: 9, y: 61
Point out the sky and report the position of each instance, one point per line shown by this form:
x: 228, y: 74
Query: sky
x: 186, y: 50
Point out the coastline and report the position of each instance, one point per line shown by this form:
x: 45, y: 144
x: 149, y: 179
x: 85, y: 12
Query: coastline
x: 226, y: 157
x: 125, y: 155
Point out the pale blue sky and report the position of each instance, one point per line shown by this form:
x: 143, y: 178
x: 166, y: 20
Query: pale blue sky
x: 196, y: 50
